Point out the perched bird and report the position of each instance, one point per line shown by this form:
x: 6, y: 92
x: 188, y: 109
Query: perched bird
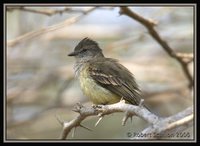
x: 103, y: 80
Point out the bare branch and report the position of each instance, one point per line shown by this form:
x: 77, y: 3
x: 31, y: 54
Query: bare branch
x: 158, y: 125
x: 106, y: 110
x: 44, y: 12
x: 169, y: 126
x: 149, y: 24
x: 32, y: 34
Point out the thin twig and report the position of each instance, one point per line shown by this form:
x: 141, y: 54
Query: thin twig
x: 32, y: 34
x: 149, y: 24
x: 48, y: 12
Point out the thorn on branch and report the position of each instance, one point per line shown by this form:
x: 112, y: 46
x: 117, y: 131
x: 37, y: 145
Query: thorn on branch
x: 85, y: 127
x: 122, y: 100
x: 125, y: 118
x: 73, y: 132
x: 141, y: 102
x: 61, y: 121
x: 101, y: 117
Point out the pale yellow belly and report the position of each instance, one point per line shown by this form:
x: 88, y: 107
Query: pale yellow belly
x: 96, y: 93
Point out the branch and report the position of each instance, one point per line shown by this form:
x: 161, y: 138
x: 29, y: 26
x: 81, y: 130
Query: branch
x: 32, y: 34
x: 149, y: 24
x: 102, y: 110
x: 160, y: 126
x: 43, y: 12
x: 170, y: 127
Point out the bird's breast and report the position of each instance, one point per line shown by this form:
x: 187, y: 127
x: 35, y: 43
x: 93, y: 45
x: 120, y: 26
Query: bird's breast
x: 96, y: 93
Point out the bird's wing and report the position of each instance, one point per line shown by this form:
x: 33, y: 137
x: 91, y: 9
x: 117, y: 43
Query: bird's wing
x: 116, y: 78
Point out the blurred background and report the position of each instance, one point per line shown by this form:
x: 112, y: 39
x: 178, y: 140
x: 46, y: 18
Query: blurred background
x: 40, y: 76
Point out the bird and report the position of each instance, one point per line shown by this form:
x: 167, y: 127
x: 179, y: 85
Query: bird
x: 103, y: 80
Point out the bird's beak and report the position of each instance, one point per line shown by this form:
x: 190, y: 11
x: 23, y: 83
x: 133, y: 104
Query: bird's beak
x: 72, y: 54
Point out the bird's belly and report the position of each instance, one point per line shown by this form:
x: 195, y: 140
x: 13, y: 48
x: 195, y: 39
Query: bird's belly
x: 96, y: 93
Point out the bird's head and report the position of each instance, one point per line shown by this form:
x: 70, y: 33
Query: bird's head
x: 86, y: 49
